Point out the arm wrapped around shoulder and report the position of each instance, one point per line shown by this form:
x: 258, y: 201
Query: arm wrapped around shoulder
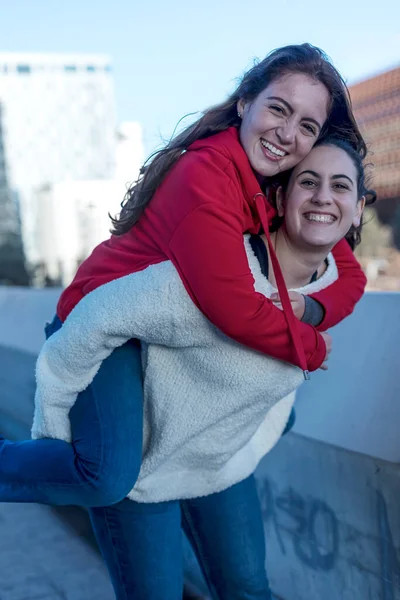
x: 339, y: 299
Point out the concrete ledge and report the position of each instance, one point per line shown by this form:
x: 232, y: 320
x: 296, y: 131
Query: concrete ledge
x: 23, y: 314
x: 355, y: 404
x: 17, y: 388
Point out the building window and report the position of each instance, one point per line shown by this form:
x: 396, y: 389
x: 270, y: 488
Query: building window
x: 70, y: 68
x: 108, y: 68
x: 23, y: 68
x: 90, y: 68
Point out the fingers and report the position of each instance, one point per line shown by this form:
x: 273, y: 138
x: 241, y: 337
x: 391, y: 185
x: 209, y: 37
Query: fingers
x: 293, y: 296
x: 328, y: 342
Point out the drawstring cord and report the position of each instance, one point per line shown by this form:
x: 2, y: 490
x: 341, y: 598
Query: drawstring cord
x: 260, y: 202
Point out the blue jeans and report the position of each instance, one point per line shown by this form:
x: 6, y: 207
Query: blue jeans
x: 101, y: 465
x: 142, y: 545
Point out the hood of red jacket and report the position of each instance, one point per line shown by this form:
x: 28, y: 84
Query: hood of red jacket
x: 228, y: 143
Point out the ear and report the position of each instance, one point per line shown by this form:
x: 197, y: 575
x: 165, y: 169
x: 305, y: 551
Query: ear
x: 280, y: 206
x: 240, y: 105
x: 359, y: 212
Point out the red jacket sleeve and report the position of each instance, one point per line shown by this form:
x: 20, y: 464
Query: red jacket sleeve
x: 208, y: 251
x: 340, y: 298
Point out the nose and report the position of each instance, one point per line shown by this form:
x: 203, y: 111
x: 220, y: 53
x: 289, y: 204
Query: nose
x: 286, y: 132
x: 322, y: 196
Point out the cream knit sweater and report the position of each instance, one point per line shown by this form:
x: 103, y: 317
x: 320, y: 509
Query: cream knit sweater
x: 212, y: 408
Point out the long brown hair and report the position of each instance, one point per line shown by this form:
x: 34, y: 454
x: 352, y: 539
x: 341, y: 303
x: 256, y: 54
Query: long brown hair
x: 303, y: 58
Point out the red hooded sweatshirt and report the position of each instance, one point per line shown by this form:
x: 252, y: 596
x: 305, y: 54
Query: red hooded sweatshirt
x: 196, y: 219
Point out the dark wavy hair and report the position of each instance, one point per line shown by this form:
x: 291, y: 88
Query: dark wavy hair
x: 302, y: 58
x: 353, y: 236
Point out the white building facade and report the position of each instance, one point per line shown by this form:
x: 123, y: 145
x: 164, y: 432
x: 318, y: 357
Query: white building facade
x: 73, y: 216
x: 74, y: 219
x: 130, y: 152
x: 59, y: 123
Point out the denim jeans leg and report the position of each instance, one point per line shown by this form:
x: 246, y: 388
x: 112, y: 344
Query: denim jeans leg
x: 142, y: 547
x: 227, y: 534
x: 101, y: 464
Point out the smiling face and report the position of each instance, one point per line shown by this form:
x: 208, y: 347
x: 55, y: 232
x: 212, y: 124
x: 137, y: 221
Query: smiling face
x: 321, y: 201
x: 281, y: 125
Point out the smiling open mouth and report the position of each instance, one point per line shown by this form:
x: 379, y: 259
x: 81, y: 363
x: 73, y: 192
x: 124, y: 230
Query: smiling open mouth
x: 276, y: 152
x: 320, y: 218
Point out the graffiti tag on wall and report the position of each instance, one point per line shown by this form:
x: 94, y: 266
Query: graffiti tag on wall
x: 311, y: 523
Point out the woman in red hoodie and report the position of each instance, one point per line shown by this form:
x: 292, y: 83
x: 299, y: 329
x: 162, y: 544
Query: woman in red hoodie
x: 207, y: 188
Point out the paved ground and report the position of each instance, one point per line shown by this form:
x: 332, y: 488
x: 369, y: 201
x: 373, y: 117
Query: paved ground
x: 42, y: 559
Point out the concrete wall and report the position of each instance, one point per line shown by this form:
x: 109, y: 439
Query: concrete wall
x: 332, y: 522
x: 356, y: 404
x: 330, y: 490
x: 23, y: 314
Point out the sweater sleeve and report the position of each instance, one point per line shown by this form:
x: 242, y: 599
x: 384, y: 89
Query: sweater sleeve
x: 339, y: 299
x: 207, y: 250
x: 313, y: 313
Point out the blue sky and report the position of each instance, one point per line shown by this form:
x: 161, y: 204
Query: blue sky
x: 177, y: 57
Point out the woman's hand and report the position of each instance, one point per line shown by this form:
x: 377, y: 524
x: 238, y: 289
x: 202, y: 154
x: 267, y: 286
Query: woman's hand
x: 297, y: 300
x: 299, y: 305
x: 328, y: 344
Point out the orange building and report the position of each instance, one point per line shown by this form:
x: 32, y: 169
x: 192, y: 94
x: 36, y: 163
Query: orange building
x: 376, y: 104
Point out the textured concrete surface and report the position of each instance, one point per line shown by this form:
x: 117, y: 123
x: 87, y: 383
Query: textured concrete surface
x: 332, y: 522
x: 41, y: 558
x: 23, y: 313
x: 17, y: 386
x: 355, y: 404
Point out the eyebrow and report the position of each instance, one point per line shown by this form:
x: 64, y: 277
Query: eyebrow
x: 338, y: 176
x: 290, y: 109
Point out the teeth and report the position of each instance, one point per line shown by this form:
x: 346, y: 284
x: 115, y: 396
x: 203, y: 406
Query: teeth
x: 319, y: 218
x: 272, y: 148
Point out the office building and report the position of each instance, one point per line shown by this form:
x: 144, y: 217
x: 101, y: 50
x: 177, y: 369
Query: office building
x: 59, y: 124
